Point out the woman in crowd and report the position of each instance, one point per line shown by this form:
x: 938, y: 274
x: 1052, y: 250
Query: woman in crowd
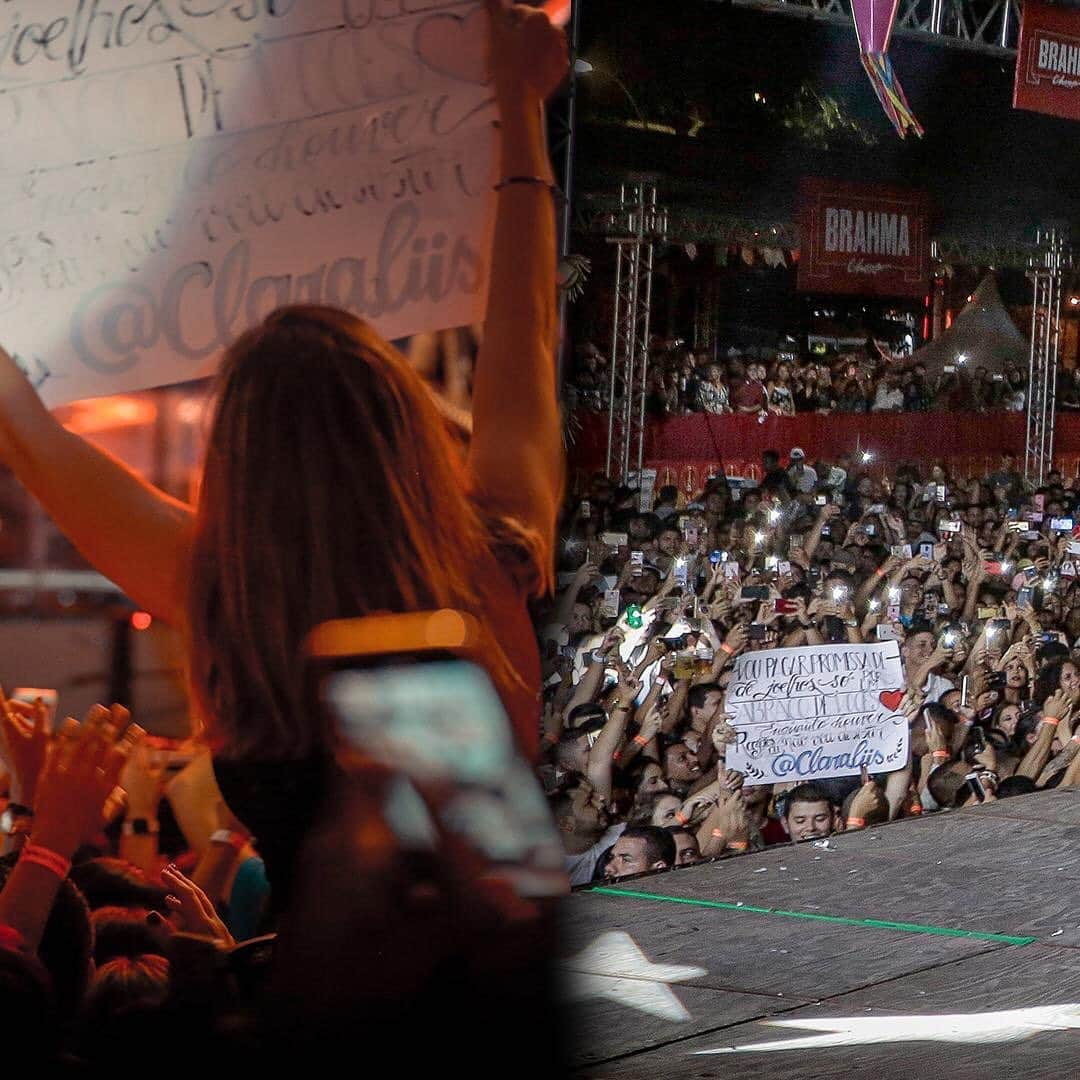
x: 781, y: 391
x: 333, y: 487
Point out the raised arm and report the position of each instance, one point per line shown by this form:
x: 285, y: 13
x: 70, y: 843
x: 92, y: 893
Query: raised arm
x: 134, y: 534
x: 515, y: 456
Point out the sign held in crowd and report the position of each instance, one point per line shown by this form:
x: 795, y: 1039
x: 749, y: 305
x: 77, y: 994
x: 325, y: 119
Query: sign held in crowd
x: 817, y: 712
x: 170, y: 178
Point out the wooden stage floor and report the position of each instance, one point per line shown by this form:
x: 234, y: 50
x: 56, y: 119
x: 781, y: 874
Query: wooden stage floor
x: 947, y: 945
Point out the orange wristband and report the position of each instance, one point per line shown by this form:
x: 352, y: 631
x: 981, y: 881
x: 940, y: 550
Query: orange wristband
x: 726, y: 648
x: 739, y: 845
x: 879, y: 572
x: 1053, y: 721
x: 941, y: 755
x: 681, y: 818
x: 856, y: 823
x: 640, y: 740
x: 718, y: 834
x: 915, y: 809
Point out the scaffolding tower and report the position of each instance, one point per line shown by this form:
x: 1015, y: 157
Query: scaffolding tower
x: 634, y: 228
x: 1046, y: 273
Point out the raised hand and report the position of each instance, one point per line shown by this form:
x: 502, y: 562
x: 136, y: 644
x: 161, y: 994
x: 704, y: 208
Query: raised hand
x: 1060, y: 704
x: 24, y: 742
x: 730, y: 816
x: 192, y: 911
x: 723, y: 734
x: 731, y: 779
x: 737, y: 639
x: 526, y: 54
x: 936, y: 743
x: 869, y: 800
x: 143, y: 779
x: 82, y: 767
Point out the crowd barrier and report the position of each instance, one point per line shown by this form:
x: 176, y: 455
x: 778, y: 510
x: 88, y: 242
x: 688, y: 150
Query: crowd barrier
x: 687, y: 450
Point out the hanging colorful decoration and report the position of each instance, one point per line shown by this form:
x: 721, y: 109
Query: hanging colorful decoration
x: 873, y: 26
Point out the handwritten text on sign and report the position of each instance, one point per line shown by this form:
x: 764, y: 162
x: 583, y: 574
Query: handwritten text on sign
x: 171, y: 170
x: 818, y: 711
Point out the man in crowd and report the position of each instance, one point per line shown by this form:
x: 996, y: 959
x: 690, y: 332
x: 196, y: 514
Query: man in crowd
x: 747, y: 395
x: 802, y: 476
x: 640, y: 849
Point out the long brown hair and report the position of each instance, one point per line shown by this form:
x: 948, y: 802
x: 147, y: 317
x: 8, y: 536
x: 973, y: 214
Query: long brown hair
x: 331, y: 488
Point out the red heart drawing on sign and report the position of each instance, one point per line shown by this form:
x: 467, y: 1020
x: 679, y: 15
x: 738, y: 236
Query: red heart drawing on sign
x: 455, y: 45
x: 891, y: 699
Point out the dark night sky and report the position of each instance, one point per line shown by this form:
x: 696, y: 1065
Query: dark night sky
x: 991, y: 170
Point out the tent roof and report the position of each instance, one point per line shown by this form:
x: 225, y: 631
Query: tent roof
x: 983, y: 333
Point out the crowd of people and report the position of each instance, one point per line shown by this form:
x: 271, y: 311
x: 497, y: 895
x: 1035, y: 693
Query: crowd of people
x: 978, y: 581
x: 871, y: 379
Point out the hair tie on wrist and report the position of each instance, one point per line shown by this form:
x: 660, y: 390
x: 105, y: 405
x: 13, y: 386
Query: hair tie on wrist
x: 535, y: 181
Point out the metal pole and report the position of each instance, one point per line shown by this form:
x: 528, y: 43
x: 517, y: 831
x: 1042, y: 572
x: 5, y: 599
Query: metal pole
x: 1029, y: 455
x: 614, y: 360
x: 568, y: 183
x: 937, y: 12
x: 1058, y: 275
x: 1003, y: 41
x: 1048, y: 336
x: 633, y: 317
x: 643, y: 385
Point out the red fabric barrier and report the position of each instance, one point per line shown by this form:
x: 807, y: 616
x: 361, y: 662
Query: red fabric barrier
x: 968, y: 443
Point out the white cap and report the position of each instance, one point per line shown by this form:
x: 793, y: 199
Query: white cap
x: 797, y: 453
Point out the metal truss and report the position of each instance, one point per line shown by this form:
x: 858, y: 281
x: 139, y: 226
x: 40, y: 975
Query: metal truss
x: 633, y: 227
x: 1046, y: 274
x: 598, y: 214
x: 987, y: 25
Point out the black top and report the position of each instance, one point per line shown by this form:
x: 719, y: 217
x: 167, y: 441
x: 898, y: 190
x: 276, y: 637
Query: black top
x: 279, y: 803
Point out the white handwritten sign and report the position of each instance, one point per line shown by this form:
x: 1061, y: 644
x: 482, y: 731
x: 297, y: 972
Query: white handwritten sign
x: 171, y: 170
x: 818, y: 711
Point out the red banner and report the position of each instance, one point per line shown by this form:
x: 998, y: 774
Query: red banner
x: 863, y: 239
x: 1048, y: 61
x: 970, y: 444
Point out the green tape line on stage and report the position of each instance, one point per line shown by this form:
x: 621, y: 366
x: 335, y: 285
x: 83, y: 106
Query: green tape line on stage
x: 873, y: 924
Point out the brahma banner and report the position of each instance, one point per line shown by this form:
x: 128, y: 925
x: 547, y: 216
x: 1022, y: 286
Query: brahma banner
x: 863, y: 239
x: 1048, y: 61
